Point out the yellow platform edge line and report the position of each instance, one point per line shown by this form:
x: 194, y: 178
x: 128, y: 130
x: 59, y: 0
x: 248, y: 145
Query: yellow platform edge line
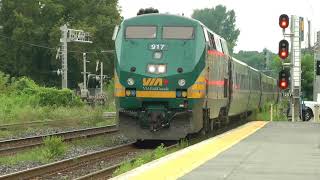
x: 182, y: 162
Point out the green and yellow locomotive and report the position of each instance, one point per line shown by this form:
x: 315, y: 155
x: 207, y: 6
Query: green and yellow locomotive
x: 174, y: 77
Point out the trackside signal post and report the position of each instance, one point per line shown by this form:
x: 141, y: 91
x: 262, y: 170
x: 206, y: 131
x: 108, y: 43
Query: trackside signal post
x: 297, y: 31
x: 69, y: 35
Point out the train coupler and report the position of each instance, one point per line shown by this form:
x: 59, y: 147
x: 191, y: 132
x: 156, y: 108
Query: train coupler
x: 155, y: 119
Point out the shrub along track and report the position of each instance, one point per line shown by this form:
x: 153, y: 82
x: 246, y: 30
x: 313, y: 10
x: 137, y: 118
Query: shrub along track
x: 12, y: 146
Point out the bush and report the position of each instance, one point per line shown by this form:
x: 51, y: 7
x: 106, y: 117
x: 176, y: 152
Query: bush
x: 4, y: 80
x: 24, y: 83
x: 55, y: 97
x: 53, y: 147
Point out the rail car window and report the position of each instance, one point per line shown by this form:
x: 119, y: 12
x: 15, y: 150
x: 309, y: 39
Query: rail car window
x: 141, y: 32
x: 178, y: 33
x: 211, y: 39
x: 224, y: 46
x: 218, y: 44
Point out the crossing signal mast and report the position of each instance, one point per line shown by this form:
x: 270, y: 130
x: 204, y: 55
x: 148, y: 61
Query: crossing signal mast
x: 290, y: 78
x: 283, y: 53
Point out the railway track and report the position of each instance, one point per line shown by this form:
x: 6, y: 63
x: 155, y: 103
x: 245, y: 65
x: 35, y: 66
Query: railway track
x: 106, y: 173
x: 69, y: 165
x: 106, y: 115
x: 14, y: 145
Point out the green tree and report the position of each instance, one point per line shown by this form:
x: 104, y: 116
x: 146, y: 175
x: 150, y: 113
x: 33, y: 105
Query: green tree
x: 307, y: 67
x: 254, y: 59
x: 220, y: 21
x: 258, y: 60
x: 30, y: 36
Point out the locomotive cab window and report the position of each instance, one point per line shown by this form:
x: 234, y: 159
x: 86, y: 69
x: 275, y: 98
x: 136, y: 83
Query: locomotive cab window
x: 184, y: 33
x: 141, y: 32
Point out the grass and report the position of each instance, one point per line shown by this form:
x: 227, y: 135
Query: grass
x: 279, y: 112
x: 61, y: 124
x: 159, y: 152
x: 29, y: 114
x: 22, y: 100
x: 99, y: 141
x: 53, y: 148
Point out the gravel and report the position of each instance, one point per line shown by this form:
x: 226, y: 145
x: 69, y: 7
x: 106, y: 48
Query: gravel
x: 38, y: 131
x: 73, y: 151
x: 87, y: 169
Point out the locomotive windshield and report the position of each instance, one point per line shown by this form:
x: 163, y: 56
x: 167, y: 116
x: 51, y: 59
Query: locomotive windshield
x: 141, y: 32
x: 178, y: 33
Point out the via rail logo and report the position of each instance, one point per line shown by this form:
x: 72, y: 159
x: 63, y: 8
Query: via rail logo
x: 154, y: 82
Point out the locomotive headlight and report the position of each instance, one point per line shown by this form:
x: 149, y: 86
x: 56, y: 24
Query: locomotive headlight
x: 157, y: 55
x: 151, y: 68
x: 128, y: 92
x: 184, y: 94
x: 182, y: 82
x: 130, y: 81
x: 162, y: 69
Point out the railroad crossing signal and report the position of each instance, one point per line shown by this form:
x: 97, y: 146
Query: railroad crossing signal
x: 284, y: 21
x: 283, y: 49
x: 284, y: 76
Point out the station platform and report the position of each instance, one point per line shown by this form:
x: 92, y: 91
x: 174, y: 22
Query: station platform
x: 255, y: 151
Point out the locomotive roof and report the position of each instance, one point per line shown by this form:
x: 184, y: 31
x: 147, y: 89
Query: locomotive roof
x: 198, y: 22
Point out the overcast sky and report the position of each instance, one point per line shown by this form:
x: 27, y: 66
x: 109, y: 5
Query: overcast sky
x: 256, y: 19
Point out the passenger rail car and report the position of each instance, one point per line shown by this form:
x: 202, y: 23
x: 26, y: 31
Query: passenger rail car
x: 174, y: 77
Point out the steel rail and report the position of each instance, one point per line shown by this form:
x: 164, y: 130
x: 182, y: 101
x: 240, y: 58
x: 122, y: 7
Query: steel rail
x: 106, y: 115
x: 106, y: 173
x: 14, y: 145
x: 65, y: 165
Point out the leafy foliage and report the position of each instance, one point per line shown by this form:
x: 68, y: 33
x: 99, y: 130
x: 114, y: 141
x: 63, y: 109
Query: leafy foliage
x: 54, y: 147
x: 307, y: 67
x: 258, y: 60
x: 21, y: 97
x: 254, y: 59
x: 31, y: 35
x: 221, y: 21
x: 55, y: 97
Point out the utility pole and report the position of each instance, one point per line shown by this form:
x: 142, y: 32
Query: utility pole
x: 64, y: 56
x: 296, y: 67
x: 69, y: 35
x: 84, y: 90
x: 101, y: 80
x: 84, y: 70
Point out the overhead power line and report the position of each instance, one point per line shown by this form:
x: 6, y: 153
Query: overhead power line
x: 51, y: 48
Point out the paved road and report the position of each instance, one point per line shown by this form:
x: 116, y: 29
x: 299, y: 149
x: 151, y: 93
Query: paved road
x: 280, y: 150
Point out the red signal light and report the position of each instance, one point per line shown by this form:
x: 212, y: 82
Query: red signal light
x: 284, y: 79
x: 283, y: 49
x: 284, y: 24
x: 283, y: 84
x: 283, y: 54
x: 284, y: 21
